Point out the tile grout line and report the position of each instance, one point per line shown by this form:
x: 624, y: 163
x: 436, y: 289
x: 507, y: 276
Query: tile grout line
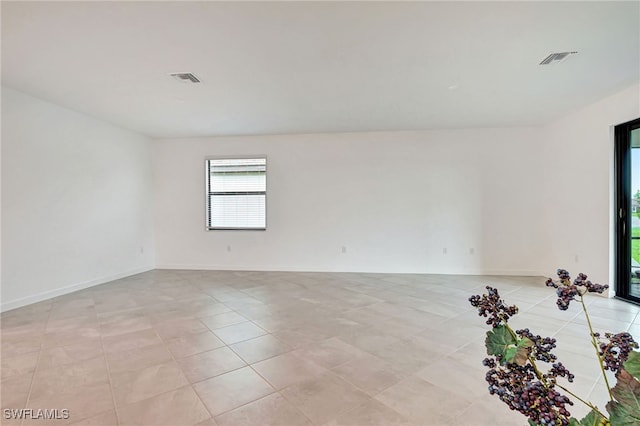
x: 632, y: 321
x: 328, y: 370
x: 278, y: 391
x: 228, y: 346
x: 111, y: 388
x: 35, y: 370
x: 275, y: 391
x: 189, y: 384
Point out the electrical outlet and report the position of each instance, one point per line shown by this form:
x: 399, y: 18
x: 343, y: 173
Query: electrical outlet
x: 344, y: 249
x: 444, y: 250
x: 229, y: 248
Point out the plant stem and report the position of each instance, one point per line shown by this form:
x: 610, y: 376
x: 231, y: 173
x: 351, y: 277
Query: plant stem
x: 588, y: 404
x: 595, y: 346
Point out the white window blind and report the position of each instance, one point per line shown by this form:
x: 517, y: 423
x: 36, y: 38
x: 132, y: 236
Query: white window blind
x: 236, y: 193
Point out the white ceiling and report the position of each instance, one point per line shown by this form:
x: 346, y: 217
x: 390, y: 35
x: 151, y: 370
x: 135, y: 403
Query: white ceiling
x: 305, y: 67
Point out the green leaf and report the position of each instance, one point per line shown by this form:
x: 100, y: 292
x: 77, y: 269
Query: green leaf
x: 592, y: 419
x: 625, y: 410
x: 574, y: 422
x: 632, y: 364
x: 518, y: 354
x: 531, y: 423
x: 498, y: 340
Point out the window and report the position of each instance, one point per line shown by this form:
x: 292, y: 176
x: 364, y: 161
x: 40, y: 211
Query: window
x: 236, y: 193
x: 627, y: 213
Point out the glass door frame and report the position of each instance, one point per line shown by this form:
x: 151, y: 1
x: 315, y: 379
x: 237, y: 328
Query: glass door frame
x: 622, y: 146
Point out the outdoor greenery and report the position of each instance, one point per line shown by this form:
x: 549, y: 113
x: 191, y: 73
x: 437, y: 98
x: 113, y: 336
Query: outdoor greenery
x: 635, y: 244
x: 524, y: 373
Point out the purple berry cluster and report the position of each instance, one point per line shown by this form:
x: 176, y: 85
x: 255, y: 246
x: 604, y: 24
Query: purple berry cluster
x: 591, y: 287
x: 542, y: 346
x: 518, y: 387
x: 567, y: 291
x: 545, y: 405
x: 559, y: 370
x: 492, y: 307
x: 523, y: 387
x: 615, y: 350
x: 515, y: 359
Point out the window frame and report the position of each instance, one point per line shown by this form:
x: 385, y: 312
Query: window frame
x: 207, y: 209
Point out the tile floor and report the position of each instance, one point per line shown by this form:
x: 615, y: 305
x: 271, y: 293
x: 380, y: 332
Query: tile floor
x: 257, y: 348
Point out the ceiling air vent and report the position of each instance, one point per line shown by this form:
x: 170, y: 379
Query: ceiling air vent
x: 556, y: 58
x: 185, y: 77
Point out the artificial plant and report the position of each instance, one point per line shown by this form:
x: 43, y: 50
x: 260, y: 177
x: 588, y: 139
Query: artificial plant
x: 526, y: 375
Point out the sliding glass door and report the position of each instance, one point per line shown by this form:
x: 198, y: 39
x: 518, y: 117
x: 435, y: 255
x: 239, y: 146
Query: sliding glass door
x: 627, y: 146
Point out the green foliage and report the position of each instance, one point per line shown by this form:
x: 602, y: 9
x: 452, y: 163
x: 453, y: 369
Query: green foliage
x: 519, y: 354
x: 632, y: 364
x: 592, y: 419
x: 635, y: 245
x: 501, y: 342
x: 498, y: 340
x: 625, y: 410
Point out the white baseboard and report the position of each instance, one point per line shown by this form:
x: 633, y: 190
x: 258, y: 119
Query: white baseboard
x: 7, y: 306
x: 505, y: 272
x: 208, y: 267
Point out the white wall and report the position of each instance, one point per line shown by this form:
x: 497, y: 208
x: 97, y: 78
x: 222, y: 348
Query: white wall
x: 578, y: 213
x: 394, y: 199
x: 76, y: 201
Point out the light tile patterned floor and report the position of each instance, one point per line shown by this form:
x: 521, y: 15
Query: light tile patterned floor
x: 282, y: 348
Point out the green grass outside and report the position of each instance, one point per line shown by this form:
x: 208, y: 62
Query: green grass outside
x: 635, y: 244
